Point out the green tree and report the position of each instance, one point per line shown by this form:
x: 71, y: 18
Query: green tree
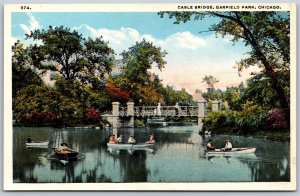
x: 267, y: 33
x: 136, y: 78
x: 210, y: 81
x: 69, y: 54
x: 22, y: 72
x: 34, y: 98
x: 139, y: 59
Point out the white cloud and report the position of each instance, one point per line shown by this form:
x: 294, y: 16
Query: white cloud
x: 190, y: 57
x: 121, y: 39
x: 185, y: 40
x: 33, y: 24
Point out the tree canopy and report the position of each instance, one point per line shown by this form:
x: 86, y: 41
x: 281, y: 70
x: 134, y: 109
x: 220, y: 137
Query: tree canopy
x: 268, y: 34
x: 68, y: 53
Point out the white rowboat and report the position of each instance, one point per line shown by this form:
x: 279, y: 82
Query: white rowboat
x: 233, y: 151
x: 37, y: 144
x: 129, y: 146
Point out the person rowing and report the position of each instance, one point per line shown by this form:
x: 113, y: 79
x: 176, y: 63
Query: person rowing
x: 64, y: 148
x: 209, y: 146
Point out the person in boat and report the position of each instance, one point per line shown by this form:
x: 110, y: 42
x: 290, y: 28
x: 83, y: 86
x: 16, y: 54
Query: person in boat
x: 63, y: 147
x: 228, y: 146
x: 120, y: 139
x: 112, y: 139
x: 131, y: 140
x: 151, y: 139
x: 29, y: 140
x: 210, y: 146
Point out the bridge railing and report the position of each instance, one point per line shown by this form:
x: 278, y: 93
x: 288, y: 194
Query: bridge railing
x: 123, y: 111
x: 164, y: 111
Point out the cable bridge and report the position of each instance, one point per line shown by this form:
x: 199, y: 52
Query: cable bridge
x: 130, y: 111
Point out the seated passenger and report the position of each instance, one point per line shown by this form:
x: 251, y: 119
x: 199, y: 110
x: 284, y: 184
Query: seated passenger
x: 29, y: 140
x: 228, y: 146
x: 131, y: 140
x: 151, y: 139
x: 120, y: 139
x: 112, y: 139
x: 209, y: 145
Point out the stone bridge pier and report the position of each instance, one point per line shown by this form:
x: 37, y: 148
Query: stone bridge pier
x: 127, y: 120
x: 201, y: 112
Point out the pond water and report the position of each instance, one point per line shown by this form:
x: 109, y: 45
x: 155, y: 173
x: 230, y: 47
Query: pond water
x: 178, y: 156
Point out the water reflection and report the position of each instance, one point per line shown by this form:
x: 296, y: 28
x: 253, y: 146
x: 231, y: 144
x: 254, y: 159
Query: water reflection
x: 178, y: 156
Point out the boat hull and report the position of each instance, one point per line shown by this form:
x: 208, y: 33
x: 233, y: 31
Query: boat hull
x: 234, y: 151
x: 37, y: 144
x: 66, y: 155
x: 130, y: 146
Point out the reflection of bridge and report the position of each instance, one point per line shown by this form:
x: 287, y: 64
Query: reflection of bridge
x: 131, y: 111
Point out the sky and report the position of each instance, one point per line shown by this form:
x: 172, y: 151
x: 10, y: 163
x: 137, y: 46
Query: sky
x: 191, y: 55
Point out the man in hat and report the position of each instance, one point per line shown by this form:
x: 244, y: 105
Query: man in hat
x: 228, y: 146
x: 209, y: 145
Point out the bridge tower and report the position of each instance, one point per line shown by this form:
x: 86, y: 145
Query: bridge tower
x: 201, y: 112
x: 115, y: 114
x: 130, y: 114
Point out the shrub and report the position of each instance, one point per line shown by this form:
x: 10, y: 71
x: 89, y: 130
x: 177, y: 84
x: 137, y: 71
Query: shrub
x: 91, y: 115
x: 138, y: 123
x: 276, y: 119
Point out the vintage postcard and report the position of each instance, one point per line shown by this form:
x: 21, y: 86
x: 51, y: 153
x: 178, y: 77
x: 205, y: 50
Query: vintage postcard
x: 143, y: 97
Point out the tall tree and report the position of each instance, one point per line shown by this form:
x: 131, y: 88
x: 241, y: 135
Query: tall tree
x: 210, y: 81
x: 136, y: 76
x: 68, y: 53
x: 139, y: 59
x: 23, y: 74
x: 268, y: 34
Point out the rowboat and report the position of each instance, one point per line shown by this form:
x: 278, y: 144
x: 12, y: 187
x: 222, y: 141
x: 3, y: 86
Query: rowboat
x: 37, y: 144
x: 129, y: 146
x: 66, y: 154
x: 233, y: 151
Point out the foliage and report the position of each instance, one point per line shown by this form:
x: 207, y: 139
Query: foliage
x: 91, y: 115
x: 182, y: 97
x: 33, y: 98
x: 22, y: 72
x: 139, y: 59
x: 250, y: 119
x: 260, y: 92
x: 219, y: 122
x: 38, y: 119
x: 277, y: 120
x: 117, y: 93
x: 210, y: 81
x: 69, y: 54
x: 138, y: 123
x: 268, y: 35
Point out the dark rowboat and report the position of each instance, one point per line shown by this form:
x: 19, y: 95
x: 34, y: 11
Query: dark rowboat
x: 66, y: 154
